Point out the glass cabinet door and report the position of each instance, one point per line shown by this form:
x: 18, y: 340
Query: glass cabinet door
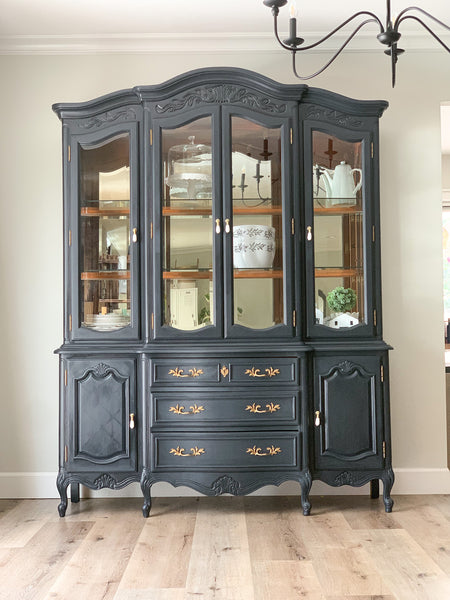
x: 188, y: 228
x: 336, y: 234
x: 258, y: 182
x: 106, y: 236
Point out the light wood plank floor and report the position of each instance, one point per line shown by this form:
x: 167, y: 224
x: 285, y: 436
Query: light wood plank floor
x: 253, y: 548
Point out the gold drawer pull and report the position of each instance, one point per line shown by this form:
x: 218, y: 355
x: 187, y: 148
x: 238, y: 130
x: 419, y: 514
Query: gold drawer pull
x: 177, y: 372
x: 271, y: 451
x: 179, y: 410
x: 134, y: 236
x: 217, y: 225
x: 256, y: 408
x: 132, y: 421
x: 196, y: 451
x: 269, y: 372
x: 317, y: 420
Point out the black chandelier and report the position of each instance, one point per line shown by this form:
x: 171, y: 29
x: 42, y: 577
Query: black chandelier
x: 389, y: 34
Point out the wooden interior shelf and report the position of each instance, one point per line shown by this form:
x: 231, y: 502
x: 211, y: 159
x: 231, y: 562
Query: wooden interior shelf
x: 168, y: 211
x: 89, y: 211
x: 258, y: 274
x: 93, y: 275
x: 337, y: 210
x: 337, y: 272
x: 238, y: 274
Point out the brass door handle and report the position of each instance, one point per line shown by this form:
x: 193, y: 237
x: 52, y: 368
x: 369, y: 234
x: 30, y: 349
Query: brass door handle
x: 227, y: 226
x: 178, y: 451
x: 134, y: 236
x: 271, y: 451
x: 317, y: 420
x: 217, y: 225
x: 309, y: 233
x: 132, y: 424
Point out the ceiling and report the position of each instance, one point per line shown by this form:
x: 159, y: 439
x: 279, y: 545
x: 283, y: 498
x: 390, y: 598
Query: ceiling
x: 121, y: 17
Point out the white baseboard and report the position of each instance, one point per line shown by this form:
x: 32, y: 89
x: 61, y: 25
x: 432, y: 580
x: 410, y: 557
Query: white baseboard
x: 43, y: 485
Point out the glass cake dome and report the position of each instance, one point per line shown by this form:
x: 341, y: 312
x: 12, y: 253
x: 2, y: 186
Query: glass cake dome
x: 190, y: 168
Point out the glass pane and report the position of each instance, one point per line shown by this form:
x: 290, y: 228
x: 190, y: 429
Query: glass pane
x: 187, y: 232
x: 257, y: 225
x: 338, y: 231
x: 105, y: 301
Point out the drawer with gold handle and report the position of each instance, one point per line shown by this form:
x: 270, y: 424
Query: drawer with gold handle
x: 257, y: 371
x: 221, y: 450
x: 170, y: 408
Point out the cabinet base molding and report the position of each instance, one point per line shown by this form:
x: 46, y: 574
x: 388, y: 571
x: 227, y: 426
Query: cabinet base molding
x: 94, y: 481
x: 237, y: 484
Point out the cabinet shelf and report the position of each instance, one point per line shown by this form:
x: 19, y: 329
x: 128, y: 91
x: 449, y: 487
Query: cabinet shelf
x: 337, y: 272
x: 96, y: 275
x: 88, y: 211
x: 168, y: 211
x: 337, y: 210
x: 238, y: 274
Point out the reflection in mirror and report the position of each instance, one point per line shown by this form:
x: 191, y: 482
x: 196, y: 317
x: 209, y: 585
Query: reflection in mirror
x: 105, y: 298
x: 338, y: 231
x: 257, y: 225
x: 187, y: 232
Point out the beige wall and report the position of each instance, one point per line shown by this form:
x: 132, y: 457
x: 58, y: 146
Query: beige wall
x: 31, y: 235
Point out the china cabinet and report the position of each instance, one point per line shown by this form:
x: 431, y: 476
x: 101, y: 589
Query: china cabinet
x: 222, y: 289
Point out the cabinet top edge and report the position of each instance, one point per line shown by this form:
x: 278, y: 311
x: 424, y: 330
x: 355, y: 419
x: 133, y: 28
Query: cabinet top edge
x: 216, y: 76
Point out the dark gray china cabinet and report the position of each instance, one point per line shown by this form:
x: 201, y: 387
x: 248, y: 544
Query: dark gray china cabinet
x: 222, y: 289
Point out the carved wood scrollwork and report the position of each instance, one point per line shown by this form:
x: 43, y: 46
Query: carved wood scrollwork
x: 109, y: 117
x: 222, y: 94
x: 319, y: 113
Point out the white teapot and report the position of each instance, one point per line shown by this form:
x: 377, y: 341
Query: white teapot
x: 340, y: 184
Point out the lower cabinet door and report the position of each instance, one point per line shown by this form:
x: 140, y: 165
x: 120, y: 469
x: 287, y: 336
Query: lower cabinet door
x: 100, y: 415
x: 348, y: 413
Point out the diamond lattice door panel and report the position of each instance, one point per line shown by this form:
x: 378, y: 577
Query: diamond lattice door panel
x: 102, y: 401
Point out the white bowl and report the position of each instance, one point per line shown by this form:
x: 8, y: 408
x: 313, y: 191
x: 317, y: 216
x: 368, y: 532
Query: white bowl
x: 253, y: 246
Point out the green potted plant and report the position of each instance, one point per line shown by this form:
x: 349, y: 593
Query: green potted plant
x: 341, y: 299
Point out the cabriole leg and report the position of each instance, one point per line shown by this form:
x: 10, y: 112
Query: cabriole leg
x: 305, y: 483
x: 146, y: 487
x: 61, y: 483
x: 388, y: 482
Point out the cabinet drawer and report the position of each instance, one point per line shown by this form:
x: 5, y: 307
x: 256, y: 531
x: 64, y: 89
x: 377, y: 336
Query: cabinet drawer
x: 265, y: 371
x: 192, y: 452
x: 244, y: 408
x: 186, y: 372
x: 236, y: 371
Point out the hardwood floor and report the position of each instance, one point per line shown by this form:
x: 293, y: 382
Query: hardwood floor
x: 253, y: 548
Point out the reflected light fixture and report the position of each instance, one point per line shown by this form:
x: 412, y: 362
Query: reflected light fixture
x: 389, y: 34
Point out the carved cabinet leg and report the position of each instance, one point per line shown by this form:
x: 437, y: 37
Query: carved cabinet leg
x: 375, y: 489
x: 388, y: 482
x: 62, y: 483
x: 305, y: 483
x: 146, y: 486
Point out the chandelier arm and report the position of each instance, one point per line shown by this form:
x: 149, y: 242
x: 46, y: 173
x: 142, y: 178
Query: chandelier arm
x: 401, y: 18
x: 373, y: 19
x: 430, y: 31
x: 332, y: 59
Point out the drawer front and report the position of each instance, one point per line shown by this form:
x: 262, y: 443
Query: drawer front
x: 186, y: 372
x: 263, y: 371
x: 251, y: 371
x: 243, y: 408
x: 193, y: 452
